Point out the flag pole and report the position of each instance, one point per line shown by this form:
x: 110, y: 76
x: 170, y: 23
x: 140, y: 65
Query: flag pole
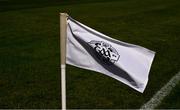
x: 63, y: 34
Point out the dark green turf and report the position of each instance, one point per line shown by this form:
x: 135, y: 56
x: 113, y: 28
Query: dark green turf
x: 172, y: 101
x: 29, y: 53
x: 7, y: 5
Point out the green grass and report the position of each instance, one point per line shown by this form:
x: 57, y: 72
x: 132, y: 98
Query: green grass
x: 29, y: 52
x: 6, y: 5
x: 172, y: 101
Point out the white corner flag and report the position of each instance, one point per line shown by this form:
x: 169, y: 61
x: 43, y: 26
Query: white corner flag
x: 92, y: 50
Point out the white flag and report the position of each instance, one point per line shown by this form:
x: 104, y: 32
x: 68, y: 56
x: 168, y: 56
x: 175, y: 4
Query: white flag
x: 92, y: 50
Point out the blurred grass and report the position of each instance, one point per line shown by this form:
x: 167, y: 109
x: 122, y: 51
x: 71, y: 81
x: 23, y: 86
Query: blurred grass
x: 7, y: 5
x: 29, y: 52
x: 172, y: 101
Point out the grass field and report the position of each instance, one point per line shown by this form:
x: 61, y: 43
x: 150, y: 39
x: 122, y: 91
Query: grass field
x: 29, y: 52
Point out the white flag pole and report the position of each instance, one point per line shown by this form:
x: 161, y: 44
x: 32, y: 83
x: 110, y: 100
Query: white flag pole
x: 63, y: 34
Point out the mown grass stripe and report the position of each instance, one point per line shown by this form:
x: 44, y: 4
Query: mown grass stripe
x: 162, y: 93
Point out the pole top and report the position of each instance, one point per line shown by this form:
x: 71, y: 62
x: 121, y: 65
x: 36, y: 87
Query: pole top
x: 64, y: 14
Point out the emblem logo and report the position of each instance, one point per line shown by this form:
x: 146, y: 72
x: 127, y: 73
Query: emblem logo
x: 105, y: 52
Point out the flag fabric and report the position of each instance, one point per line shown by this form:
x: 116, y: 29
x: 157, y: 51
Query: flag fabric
x: 92, y: 50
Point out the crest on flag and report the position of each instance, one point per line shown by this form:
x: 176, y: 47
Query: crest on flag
x: 105, y: 52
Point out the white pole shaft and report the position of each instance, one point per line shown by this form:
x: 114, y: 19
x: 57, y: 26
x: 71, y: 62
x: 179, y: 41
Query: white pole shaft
x: 63, y: 86
x: 63, y: 35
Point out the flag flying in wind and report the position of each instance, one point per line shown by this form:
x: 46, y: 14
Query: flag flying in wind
x: 92, y: 50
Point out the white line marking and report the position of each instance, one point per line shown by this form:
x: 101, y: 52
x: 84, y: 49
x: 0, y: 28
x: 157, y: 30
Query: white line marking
x: 163, y: 92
